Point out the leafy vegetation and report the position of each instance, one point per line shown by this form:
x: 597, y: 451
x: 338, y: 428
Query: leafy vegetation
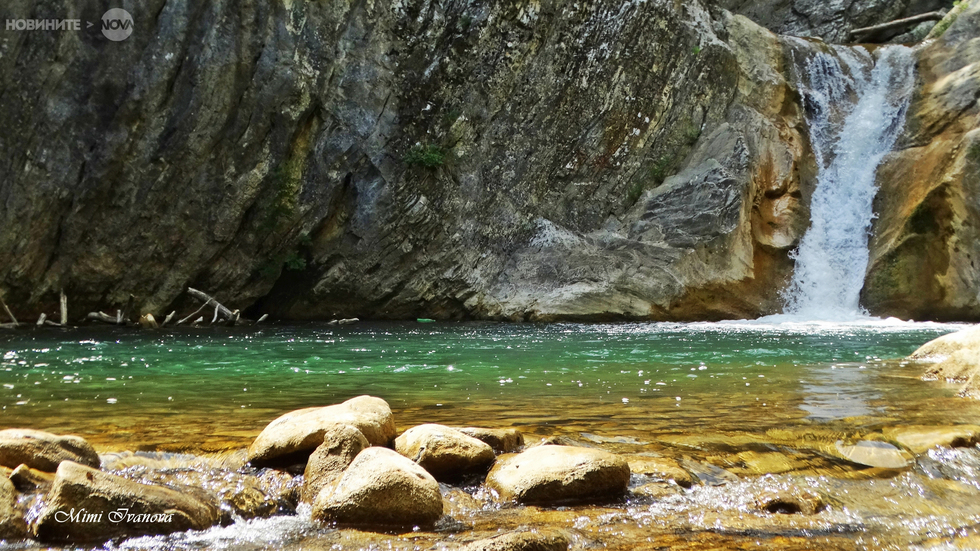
x: 427, y: 156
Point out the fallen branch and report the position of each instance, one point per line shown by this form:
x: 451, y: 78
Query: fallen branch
x: 262, y: 318
x: 899, y: 23
x: 169, y: 317
x: 64, y: 308
x: 9, y: 313
x: 103, y: 317
x: 185, y: 320
x: 210, y: 301
x: 8, y: 325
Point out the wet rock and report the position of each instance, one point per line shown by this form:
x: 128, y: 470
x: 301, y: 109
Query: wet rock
x: 86, y: 505
x: 547, y: 540
x: 919, y: 439
x: 959, y: 366
x: 381, y: 488
x: 501, y: 440
x: 790, y: 501
x: 285, y: 488
x: 245, y: 495
x: 708, y: 474
x: 767, y: 463
x: 12, y: 523
x: 660, y: 467
x: 28, y: 480
x: 444, y: 452
x: 458, y: 503
x: 926, y: 234
x: 555, y: 474
x: 873, y: 454
x: 942, y: 347
x: 340, y: 446
x: 655, y: 490
x: 44, y: 451
x: 291, y: 438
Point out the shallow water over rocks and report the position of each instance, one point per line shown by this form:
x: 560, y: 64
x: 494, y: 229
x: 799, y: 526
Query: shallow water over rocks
x: 755, y: 415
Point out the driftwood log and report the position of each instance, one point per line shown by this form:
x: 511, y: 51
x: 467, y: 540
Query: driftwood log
x: 897, y: 24
x: 64, y: 309
x: 220, y: 311
x: 105, y: 318
x: 9, y: 313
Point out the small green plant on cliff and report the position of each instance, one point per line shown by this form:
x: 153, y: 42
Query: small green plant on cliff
x: 658, y: 172
x: 696, y: 50
x: 691, y: 133
x: 950, y: 18
x: 294, y: 262
x: 427, y: 156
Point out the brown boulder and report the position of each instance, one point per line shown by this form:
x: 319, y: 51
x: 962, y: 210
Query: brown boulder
x: 44, y: 451
x: 30, y: 480
x: 340, y: 446
x: 291, y: 438
x: 552, y: 474
x: 12, y: 523
x: 445, y: 452
x: 501, y: 440
x: 381, y: 488
x: 87, y: 505
x: 521, y: 541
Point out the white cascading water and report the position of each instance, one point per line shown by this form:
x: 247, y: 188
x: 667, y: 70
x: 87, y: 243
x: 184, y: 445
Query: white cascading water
x: 855, y: 113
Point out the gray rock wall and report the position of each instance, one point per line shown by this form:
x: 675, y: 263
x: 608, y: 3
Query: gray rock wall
x: 607, y: 160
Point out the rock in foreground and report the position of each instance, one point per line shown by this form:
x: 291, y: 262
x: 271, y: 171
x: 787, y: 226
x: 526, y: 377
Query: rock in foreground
x: 381, y: 488
x: 341, y: 444
x: 291, y: 438
x: 444, y: 452
x: 44, y: 451
x: 12, y: 523
x: 501, y: 440
x: 521, y: 541
x: 87, y: 505
x: 554, y: 474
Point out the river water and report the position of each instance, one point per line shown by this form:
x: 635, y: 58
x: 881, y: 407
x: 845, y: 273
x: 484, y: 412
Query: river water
x: 763, y: 401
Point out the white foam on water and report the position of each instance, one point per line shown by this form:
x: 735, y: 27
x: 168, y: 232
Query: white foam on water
x: 855, y: 107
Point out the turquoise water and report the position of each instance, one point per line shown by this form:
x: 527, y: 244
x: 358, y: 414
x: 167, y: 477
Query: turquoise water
x: 174, y: 389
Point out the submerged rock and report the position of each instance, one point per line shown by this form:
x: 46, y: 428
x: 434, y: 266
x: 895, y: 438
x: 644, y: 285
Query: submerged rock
x: 444, y: 452
x: 340, y: 446
x: 12, y: 523
x: 919, y: 439
x: 660, y: 467
x: 790, y: 501
x: 89, y: 506
x: 547, y: 540
x: 381, y: 488
x: 501, y: 440
x: 873, y: 454
x: 556, y: 474
x: 44, y: 451
x: 291, y: 438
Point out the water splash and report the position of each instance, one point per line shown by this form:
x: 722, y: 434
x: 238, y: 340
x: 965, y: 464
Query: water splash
x: 855, y: 107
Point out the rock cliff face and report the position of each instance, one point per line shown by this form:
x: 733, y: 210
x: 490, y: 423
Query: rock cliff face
x: 926, y: 244
x: 831, y: 21
x: 515, y: 160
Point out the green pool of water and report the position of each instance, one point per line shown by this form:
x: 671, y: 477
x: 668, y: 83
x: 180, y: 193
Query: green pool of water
x: 180, y: 388
x: 765, y: 402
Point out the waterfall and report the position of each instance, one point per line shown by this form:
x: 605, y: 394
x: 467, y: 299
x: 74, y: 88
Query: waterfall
x: 855, y: 107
